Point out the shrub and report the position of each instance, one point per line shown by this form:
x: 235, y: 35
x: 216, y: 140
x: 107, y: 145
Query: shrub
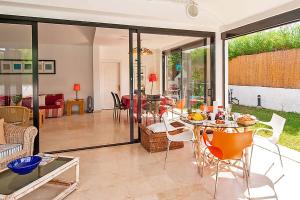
x: 285, y: 37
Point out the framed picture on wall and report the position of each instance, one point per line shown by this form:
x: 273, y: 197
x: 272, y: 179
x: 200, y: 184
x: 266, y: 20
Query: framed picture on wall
x: 27, y: 67
x: 41, y: 67
x: 6, y: 67
x: 49, y: 67
x: 17, y: 67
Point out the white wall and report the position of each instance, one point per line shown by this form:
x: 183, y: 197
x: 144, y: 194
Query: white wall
x: 73, y: 65
x: 120, y: 54
x: 272, y: 98
x: 153, y: 65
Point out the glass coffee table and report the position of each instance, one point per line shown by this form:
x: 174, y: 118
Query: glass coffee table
x: 14, y: 186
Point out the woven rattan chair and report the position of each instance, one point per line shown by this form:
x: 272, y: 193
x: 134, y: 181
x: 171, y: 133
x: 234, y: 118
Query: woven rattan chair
x: 15, y: 114
x: 18, y: 135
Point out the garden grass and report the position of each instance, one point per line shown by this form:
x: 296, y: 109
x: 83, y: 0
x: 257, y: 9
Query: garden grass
x: 291, y: 133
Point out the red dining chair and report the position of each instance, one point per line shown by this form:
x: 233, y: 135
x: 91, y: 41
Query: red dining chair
x: 210, y: 108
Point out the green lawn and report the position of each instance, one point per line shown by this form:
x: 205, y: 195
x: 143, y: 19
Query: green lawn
x: 291, y: 133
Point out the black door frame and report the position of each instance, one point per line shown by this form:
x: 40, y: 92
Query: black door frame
x: 160, y: 31
x: 34, y: 57
x: 261, y: 25
x: 132, y: 29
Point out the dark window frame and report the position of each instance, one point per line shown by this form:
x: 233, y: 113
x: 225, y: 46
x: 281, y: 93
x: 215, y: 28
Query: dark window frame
x: 260, y: 25
x: 132, y: 29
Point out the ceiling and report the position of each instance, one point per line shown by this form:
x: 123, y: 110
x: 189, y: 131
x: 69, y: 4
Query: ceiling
x: 213, y: 14
x: 19, y: 36
x: 120, y: 37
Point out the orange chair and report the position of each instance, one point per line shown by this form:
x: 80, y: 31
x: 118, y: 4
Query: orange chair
x: 209, y: 108
x: 228, y: 146
x: 180, y: 104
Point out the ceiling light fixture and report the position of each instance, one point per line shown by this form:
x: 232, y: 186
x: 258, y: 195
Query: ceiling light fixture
x: 192, y: 8
x: 144, y: 51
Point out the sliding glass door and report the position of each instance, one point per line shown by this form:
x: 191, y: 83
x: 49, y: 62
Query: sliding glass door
x: 188, y: 75
x: 193, y: 76
x: 18, y: 74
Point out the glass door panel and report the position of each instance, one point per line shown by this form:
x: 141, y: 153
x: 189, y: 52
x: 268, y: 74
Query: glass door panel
x: 194, y: 83
x: 16, y: 86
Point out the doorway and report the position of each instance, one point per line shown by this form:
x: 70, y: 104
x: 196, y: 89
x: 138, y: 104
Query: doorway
x: 111, y: 82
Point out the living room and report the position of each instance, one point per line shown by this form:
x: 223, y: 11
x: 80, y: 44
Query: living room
x: 83, y: 56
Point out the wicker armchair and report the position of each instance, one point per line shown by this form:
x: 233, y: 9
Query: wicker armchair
x: 15, y: 114
x: 18, y: 135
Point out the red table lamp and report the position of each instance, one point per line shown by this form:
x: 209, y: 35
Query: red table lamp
x: 76, y: 88
x: 152, y: 78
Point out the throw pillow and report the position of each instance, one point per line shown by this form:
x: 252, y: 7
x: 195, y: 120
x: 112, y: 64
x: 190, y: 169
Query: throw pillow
x: 42, y: 100
x: 2, y: 137
x: 160, y: 127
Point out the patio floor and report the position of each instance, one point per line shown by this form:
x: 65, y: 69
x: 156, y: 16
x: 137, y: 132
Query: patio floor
x: 129, y: 172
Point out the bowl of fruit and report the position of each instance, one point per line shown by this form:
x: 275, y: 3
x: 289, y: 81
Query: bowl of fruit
x: 194, y: 116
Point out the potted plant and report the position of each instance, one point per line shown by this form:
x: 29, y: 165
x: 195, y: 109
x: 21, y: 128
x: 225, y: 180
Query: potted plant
x: 17, y: 99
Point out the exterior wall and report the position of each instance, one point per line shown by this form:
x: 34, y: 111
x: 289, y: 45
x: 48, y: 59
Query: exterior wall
x: 273, y: 98
x: 73, y: 65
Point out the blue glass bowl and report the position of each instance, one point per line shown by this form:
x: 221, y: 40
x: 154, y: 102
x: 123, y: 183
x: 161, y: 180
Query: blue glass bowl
x: 24, y: 165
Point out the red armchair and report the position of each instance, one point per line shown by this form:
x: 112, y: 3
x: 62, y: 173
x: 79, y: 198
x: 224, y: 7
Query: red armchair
x: 54, y: 105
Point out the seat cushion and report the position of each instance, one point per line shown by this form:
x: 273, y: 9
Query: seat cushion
x: 50, y: 107
x: 9, y: 149
x: 2, y: 137
x: 160, y: 127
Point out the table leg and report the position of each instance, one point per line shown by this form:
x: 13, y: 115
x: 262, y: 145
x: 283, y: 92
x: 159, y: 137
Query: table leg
x: 81, y: 108
x: 197, y: 146
x: 69, y: 109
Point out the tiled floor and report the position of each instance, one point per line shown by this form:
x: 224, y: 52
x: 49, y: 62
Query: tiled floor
x: 129, y: 172
x: 85, y: 130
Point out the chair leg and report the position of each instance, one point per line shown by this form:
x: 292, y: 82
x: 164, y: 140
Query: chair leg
x: 167, y: 152
x: 113, y: 113
x: 279, y: 155
x: 119, y: 115
x: 216, y: 183
x: 250, y: 158
x: 116, y: 113
x: 247, y: 176
x: 203, y: 162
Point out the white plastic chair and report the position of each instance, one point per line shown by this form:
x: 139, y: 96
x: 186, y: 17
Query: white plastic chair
x: 277, y: 123
x: 185, y: 136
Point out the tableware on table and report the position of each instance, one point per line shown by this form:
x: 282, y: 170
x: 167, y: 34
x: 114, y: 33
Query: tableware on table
x: 205, y: 108
x: 215, y: 106
x: 212, y: 116
x: 24, y: 165
x: 236, y: 116
x: 228, y: 108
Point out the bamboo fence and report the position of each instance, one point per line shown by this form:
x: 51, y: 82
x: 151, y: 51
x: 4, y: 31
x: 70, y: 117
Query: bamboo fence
x: 279, y: 69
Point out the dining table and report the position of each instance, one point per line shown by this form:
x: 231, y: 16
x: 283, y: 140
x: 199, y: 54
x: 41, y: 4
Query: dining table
x: 230, y: 126
x: 125, y: 99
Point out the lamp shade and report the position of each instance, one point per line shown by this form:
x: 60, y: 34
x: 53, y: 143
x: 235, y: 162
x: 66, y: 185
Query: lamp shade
x: 76, y: 87
x: 152, y: 78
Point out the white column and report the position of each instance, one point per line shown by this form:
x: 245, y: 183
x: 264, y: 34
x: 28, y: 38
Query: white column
x: 226, y: 72
x: 96, y: 77
x: 219, y: 68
